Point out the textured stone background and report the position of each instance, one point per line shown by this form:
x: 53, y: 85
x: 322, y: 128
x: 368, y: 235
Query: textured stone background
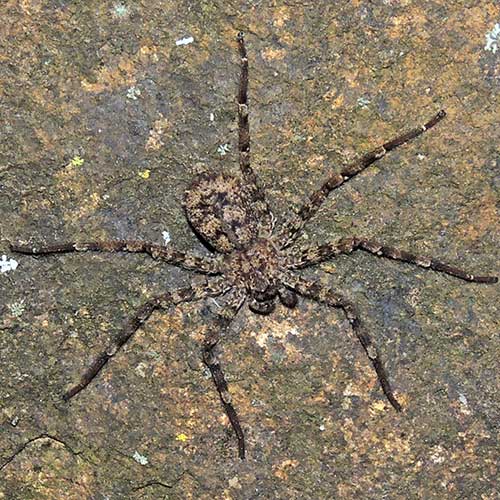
x: 105, y: 82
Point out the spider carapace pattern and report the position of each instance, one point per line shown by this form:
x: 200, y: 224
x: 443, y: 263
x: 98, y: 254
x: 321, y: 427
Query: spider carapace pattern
x: 253, y: 261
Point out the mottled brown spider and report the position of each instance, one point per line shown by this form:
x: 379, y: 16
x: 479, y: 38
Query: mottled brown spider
x: 252, y: 261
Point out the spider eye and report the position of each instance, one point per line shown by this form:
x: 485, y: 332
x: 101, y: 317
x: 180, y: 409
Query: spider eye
x: 266, y: 295
x: 261, y: 307
x: 287, y: 297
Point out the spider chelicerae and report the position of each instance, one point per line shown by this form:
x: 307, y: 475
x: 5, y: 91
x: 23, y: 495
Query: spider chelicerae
x: 252, y: 260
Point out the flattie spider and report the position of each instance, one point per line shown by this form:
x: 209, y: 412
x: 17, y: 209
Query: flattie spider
x: 252, y: 260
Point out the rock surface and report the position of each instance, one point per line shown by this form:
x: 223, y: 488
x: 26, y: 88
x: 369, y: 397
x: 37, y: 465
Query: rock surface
x: 104, y: 120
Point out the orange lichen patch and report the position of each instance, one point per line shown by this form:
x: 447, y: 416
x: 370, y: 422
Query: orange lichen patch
x: 234, y: 482
x: 125, y: 72
x: 315, y: 162
x: 478, y: 19
x: 415, y: 73
x: 271, y: 54
x: 44, y: 137
x: 200, y: 52
x: 46, y: 100
x: 313, y: 125
x: 186, y: 418
x: 287, y: 136
x: 280, y: 16
x: 486, y: 218
x: 350, y: 77
x: 43, y: 321
x: 356, y: 196
x: 277, y: 330
x: 414, y: 17
x: 328, y: 267
x: 363, y: 384
x: 394, y: 444
x: 281, y: 470
x: 72, y: 184
x: 83, y: 312
x: 148, y: 53
x: 378, y: 407
x: 335, y: 102
x: 160, y: 131
x: 381, y: 446
x: 334, y: 360
x: 169, y: 323
x: 449, y: 81
x: 318, y: 398
x: 31, y: 7
x: 119, y: 409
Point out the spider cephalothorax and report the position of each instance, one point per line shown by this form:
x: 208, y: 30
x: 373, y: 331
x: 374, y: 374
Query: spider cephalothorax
x: 222, y: 211
x: 256, y: 262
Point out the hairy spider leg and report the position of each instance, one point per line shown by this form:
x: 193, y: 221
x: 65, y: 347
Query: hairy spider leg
x: 314, y: 254
x: 249, y: 175
x: 164, y: 301
x: 293, y: 227
x: 204, y: 265
x: 213, y: 364
x: 319, y: 293
x: 225, y: 317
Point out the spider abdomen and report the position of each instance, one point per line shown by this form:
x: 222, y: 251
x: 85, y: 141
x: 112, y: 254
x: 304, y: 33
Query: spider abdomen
x: 219, y: 208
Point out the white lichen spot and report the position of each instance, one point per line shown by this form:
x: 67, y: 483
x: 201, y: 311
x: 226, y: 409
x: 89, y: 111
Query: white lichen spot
x: 120, y: 10
x: 14, y: 421
x: 17, y: 308
x: 420, y: 157
x: 322, y: 427
x: 133, y: 93
x: 234, y: 482
x: 156, y: 135
x: 140, y: 459
x: 166, y: 237
x: 438, y: 455
x: 223, y: 149
x: 363, y: 102
x: 140, y: 369
x: 212, y: 117
x: 349, y: 391
x: 377, y: 407
x: 184, y: 41
x: 464, y: 404
x: 493, y: 39
x: 8, y: 265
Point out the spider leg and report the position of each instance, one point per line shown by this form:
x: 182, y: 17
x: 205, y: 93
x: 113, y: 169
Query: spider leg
x: 213, y: 364
x: 294, y: 226
x: 318, y: 253
x: 319, y: 293
x: 205, y: 265
x: 210, y: 358
x: 261, y: 205
x: 163, y: 301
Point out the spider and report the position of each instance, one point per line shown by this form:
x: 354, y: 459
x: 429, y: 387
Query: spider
x: 252, y: 261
